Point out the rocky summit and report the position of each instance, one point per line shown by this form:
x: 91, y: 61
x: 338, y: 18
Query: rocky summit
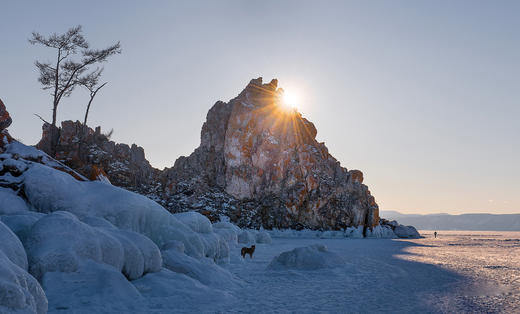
x: 258, y: 164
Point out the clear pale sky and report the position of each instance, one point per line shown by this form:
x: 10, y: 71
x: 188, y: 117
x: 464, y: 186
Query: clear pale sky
x: 422, y: 96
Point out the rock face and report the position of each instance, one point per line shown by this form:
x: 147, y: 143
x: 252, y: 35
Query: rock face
x: 5, y: 119
x: 260, y: 164
x: 92, y: 154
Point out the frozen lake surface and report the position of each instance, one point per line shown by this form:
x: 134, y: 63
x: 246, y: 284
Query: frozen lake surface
x: 462, y: 272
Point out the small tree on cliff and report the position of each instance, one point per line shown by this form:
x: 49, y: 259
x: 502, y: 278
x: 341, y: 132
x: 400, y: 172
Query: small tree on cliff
x: 91, y: 83
x: 65, y: 73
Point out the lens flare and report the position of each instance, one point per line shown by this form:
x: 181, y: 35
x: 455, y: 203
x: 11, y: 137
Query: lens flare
x: 290, y: 100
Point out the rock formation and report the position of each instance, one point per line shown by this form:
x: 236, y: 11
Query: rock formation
x: 258, y: 163
x: 5, y: 119
x: 92, y: 154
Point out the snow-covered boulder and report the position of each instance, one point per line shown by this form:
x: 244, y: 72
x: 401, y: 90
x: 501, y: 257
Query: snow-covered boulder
x: 228, y: 231
x: 60, y: 242
x: 246, y: 237
x: 306, y: 258
x: 21, y: 224
x: 45, y: 191
x: 93, y: 288
x: 10, y: 203
x: 406, y: 232
x: 214, y: 246
x: 12, y: 247
x: 379, y: 231
x: 19, y: 291
x: 197, y: 222
x: 263, y: 237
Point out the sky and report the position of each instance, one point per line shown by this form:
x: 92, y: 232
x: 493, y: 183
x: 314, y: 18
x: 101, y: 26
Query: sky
x: 422, y: 96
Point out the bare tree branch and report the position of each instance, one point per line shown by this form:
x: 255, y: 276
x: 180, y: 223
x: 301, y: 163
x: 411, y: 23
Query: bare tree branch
x: 41, y: 118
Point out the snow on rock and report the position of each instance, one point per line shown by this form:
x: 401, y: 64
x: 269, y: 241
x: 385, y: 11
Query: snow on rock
x: 22, y: 223
x: 228, y: 231
x: 246, y: 237
x: 124, y: 209
x: 19, y: 291
x: 12, y: 247
x: 306, y: 258
x: 93, y: 288
x: 381, y: 232
x: 215, y: 246
x: 60, y: 242
x: 10, y: 203
x: 263, y: 237
x: 195, y: 221
x: 406, y: 232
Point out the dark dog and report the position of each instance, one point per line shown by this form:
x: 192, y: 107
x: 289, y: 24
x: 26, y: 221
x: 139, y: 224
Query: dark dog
x: 247, y: 250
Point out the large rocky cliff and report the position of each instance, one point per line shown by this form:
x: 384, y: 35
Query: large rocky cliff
x: 258, y: 163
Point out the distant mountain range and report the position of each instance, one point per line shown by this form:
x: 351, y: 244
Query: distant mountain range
x: 476, y: 222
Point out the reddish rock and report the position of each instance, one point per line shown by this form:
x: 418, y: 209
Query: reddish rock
x: 5, y: 119
x: 92, y: 154
x: 357, y: 176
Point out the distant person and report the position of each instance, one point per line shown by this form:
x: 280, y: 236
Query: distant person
x: 435, y: 234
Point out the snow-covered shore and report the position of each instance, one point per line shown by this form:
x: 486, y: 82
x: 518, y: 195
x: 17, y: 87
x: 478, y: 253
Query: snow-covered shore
x: 70, y: 245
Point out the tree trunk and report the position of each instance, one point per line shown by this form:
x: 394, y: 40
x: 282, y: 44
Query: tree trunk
x: 88, y: 108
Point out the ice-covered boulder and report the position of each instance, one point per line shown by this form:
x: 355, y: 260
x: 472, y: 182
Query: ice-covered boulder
x: 10, y: 203
x: 21, y: 223
x: 60, y: 242
x: 306, y: 258
x: 45, y: 191
x: 12, y: 247
x: 19, y: 291
x: 406, y: 232
x: 246, y: 237
x: 93, y: 288
x: 379, y: 231
x: 195, y: 221
x: 263, y: 237
x: 228, y: 231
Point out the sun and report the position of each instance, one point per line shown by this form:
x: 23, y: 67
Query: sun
x: 290, y: 100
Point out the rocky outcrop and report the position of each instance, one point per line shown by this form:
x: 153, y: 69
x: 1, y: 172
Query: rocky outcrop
x: 260, y: 164
x: 5, y: 119
x: 92, y: 154
x: 401, y: 231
